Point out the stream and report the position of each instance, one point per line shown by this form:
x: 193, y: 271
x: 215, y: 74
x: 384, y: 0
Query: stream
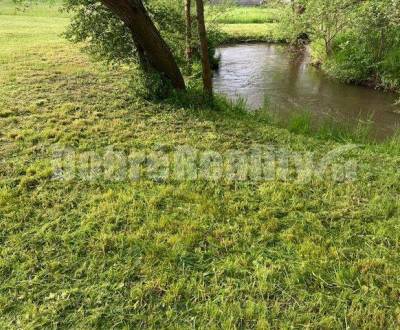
x: 267, y: 75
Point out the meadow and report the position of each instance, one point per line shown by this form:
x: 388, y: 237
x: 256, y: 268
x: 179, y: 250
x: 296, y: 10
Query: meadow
x: 245, y: 15
x: 99, y: 253
x: 248, y: 24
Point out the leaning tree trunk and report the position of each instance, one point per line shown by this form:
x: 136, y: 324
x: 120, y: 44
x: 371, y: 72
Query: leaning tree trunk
x: 145, y: 34
x: 205, y: 60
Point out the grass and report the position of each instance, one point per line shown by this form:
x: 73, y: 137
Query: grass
x: 176, y: 254
x: 248, y: 24
x: 303, y: 123
x: 236, y: 33
x: 44, y: 8
x: 246, y: 15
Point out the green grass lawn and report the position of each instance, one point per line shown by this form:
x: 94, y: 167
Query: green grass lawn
x: 95, y: 253
x: 236, y: 33
x: 43, y: 8
x: 248, y: 24
x: 245, y: 15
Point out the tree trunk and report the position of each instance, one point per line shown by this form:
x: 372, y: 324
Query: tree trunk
x: 205, y: 60
x: 297, y: 8
x: 328, y: 47
x: 144, y: 63
x: 188, y: 15
x: 152, y: 46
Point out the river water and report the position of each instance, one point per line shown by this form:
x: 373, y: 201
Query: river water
x: 268, y: 75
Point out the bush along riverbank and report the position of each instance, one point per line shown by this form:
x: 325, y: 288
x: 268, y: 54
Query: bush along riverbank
x: 365, y: 51
x: 355, y: 42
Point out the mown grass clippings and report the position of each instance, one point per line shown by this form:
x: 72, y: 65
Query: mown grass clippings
x: 176, y: 254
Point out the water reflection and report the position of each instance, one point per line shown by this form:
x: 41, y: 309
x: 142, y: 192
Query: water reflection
x: 263, y: 73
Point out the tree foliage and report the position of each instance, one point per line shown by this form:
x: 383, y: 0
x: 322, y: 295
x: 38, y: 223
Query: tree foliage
x: 106, y: 37
x: 322, y: 19
x: 360, y: 39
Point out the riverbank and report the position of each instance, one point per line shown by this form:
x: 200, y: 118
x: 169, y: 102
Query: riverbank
x: 289, y: 88
x: 247, y: 24
x: 352, y: 74
x: 103, y: 249
x: 248, y: 33
x: 262, y: 24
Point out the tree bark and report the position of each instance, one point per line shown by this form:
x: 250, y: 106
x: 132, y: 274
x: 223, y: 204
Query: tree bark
x: 328, y: 47
x: 144, y: 63
x: 152, y: 46
x: 205, y: 60
x: 189, y: 47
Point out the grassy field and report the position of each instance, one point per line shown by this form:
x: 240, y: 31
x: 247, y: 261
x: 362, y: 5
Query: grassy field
x: 245, y: 15
x: 237, y: 33
x: 248, y: 24
x: 99, y: 253
x: 47, y: 8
